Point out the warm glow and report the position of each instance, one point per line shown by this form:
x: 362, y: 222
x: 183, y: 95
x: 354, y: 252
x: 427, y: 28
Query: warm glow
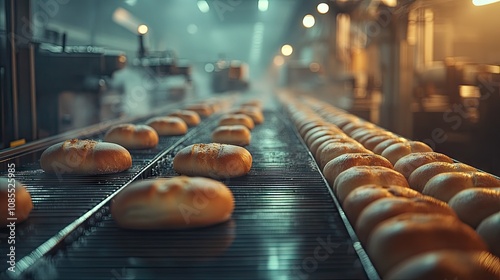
x: 323, y: 8
x: 483, y: 2
x: 390, y: 3
x: 286, y: 50
x: 314, y: 67
x: 308, y: 21
x: 142, y: 29
x: 263, y: 5
x: 203, y: 6
x: 278, y: 60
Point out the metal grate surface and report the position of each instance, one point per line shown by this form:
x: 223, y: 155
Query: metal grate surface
x: 285, y: 226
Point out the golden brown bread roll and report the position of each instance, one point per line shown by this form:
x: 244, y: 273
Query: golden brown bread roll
x: 86, y: 157
x: 334, y: 140
x: 343, y: 162
x: 358, y: 199
x: 389, y: 142
x: 254, y: 113
x: 350, y: 127
x: 474, y: 205
x: 358, y: 176
x: 175, y: 203
x: 202, y: 110
x: 132, y: 136
x: 318, y: 131
x: 445, y: 185
x: 448, y: 264
x: 372, y: 142
x: 402, y: 237
x: 232, y: 134
x: 305, y: 125
x: 407, y: 164
x: 213, y: 160
x: 385, y: 208
x: 191, y: 118
x: 253, y: 102
x: 489, y: 230
x: 237, y: 119
x: 335, y: 149
x: 420, y: 176
x: 314, y: 146
x: 13, y: 195
x: 398, y: 150
x: 375, y: 134
x: 168, y: 126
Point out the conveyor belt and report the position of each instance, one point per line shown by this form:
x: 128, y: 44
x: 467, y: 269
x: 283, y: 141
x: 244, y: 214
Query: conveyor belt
x: 285, y: 225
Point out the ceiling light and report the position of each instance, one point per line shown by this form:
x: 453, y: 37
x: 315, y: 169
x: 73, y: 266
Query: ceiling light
x: 263, y: 5
x: 286, y: 50
x: 203, y: 6
x: 390, y: 3
x: 142, y: 29
x: 308, y: 21
x: 323, y: 8
x: 483, y: 2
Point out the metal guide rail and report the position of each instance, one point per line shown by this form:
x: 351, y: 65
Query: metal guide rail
x: 286, y: 224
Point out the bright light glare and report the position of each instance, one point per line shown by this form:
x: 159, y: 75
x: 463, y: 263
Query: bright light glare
x: 323, y: 8
x: 390, y: 3
x: 142, y: 29
x: 278, y: 60
x: 263, y: 5
x: 308, y: 21
x: 286, y: 50
x: 203, y: 6
x: 483, y: 2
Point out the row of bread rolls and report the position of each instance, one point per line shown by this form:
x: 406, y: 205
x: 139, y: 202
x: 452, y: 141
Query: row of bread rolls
x: 386, y: 213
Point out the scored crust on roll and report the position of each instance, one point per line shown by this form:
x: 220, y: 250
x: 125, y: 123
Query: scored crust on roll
x: 86, y: 157
x: 407, y: 164
x: 402, y: 237
x: 357, y: 176
x: 448, y: 264
x: 420, y: 176
x: 237, y: 119
x: 213, y: 160
x: 132, y: 136
x: 191, y: 118
x: 175, y: 203
x: 232, y: 134
x: 168, y: 126
x: 20, y: 199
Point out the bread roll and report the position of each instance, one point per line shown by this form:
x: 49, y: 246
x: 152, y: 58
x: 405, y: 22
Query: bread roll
x: 132, y: 136
x: 402, y: 237
x: 448, y: 264
x: 350, y: 127
x: 232, y: 134
x: 358, y: 176
x: 407, y: 164
x: 319, y: 131
x: 376, y: 133
x: 389, y: 207
x: 371, y: 143
x: 385, y: 144
x: 359, y: 198
x: 489, y: 230
x: 336, y: 149
x: 168, y: 126
x: 86, y: 157
x: 14, y: 195
x: 213, y: 160
x: 237, y: 119
x: 304, y: 126
x: 343, y: 162
x: 175, y: 203
x: 475, y: 205
x: 254, y: 113
x: 398, y: 150
x: 252, y: 102
x: 191, y: 118
x: 202, y: 110
x: 314, y: 146
x: 445, y: 185
x: 420, y: 176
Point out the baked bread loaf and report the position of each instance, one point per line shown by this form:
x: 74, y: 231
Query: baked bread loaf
x: 448, y: 264
x: 389, y: 142
x: 314, y: 146
x: 333, y: 150
x: 407, y: 164
x: 175, y: 203
x: 361, y: 197
x: 14, y: 195
x: 132, y: 136
x: 254, y: 113
x: 405, y: 236
x: 202, y: 110
x: 420, y: 176
x: 371, y: 143
x: 319, y: 131
x: 213, y: 160
x: 168, y: 126
x: 474, y: 205
x: 334, y: 140
x: 358, y: 176
x: 389, y: 207
x: 445, y: 185
x: 237, y: 119
x: 343, y: 162
x: 489, y: 230
x: 86, y: 157
x: 398, y: 150
x: 232, y: 134
x: 191, y: 118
